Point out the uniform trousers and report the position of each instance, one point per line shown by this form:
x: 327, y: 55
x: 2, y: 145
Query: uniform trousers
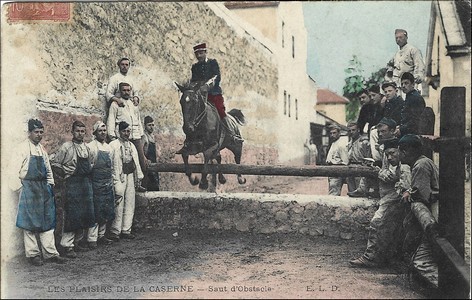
x: 335, y: 185
x: 47, y: 244
x: 124, y: 211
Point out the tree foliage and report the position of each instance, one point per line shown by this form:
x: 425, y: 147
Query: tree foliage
x: 356, y: 82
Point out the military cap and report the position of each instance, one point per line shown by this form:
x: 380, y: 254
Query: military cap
x: 411, y: 140
x: 389, y: 143
x: 34, y: 124
x: 123, y: 125
x: 389, y: 122
x: 408, y: 76
x: 199, y: 47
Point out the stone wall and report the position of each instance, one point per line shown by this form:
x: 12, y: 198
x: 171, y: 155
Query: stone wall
x: 342, y: 217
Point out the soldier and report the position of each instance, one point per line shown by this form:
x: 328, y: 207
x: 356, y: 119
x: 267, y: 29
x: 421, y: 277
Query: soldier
x: 36, y: 208
x: 358, y: 149
x: 126, y: 167
x: 385, y: 226
x: 102, y: 184
x: 424, y: 188
x: 207, y: 70
x: 337, y: 155
x: 407, y: 59
x: 73, y: 164
x: 151, y: 150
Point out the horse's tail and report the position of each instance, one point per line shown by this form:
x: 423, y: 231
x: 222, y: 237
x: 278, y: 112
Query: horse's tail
x: 238, y: 116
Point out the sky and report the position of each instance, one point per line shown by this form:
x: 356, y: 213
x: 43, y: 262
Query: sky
x: 338, y: 30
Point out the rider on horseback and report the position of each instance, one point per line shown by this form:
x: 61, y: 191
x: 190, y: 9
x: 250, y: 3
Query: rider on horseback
x: 207, y: 70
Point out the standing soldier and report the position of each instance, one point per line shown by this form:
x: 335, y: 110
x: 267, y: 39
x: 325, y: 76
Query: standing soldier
x: 72, y: 163
x: 36, y: 209
x: 113, y: 93
x: 126, y: 167
x: 337, y: 155
x: 151, y: 149
x: 358, y: 149
x: 407, y: 59
x: 102, y: 184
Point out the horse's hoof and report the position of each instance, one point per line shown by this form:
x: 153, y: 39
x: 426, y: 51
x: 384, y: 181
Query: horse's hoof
x: 221, y: 179
x: 194, y: 181
x: 203, y: 185
x: 241, y: 180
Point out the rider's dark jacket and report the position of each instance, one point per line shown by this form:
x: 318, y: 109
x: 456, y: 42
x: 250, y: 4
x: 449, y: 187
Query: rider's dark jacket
x: 204, y: 71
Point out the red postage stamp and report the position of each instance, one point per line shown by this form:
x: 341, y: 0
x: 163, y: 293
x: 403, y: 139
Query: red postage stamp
x: 39, y: 11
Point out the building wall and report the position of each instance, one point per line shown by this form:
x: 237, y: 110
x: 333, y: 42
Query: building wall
x: 336, y: 112
x: 454, y: 71
x: 67, y: 66
x: 262, y: 17
x: 293, y: 121
x: 294, y: 81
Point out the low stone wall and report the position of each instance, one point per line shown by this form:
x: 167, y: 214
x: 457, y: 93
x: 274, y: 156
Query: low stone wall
x: 343, y: 217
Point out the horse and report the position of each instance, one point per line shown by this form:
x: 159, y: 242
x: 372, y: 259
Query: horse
x: 206, y: 133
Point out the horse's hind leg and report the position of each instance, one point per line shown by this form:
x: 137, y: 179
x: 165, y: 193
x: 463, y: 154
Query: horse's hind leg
x: 221, y: 177
x: 193, y: 181
x: 238, y: 150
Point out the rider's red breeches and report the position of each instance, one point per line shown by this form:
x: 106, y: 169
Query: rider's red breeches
x: 219, y: 102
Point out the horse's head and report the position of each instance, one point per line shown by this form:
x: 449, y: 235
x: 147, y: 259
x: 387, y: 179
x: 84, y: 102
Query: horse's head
x: 193, y: 105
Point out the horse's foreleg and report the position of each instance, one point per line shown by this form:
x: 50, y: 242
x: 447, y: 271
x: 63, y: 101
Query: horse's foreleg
x: 204, y: 180
x: 193, y: 181
x: 221, y: 177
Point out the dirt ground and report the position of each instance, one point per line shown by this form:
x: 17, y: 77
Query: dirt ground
x: 215, y: 264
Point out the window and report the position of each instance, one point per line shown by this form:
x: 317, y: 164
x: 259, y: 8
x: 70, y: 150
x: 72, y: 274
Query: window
x: 289, y: 105
x: 296, y: 109
x: 293, y: 46
x: 283, y: 34
x: 285, y: 102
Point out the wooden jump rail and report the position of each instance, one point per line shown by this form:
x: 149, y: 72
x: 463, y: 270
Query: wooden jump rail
x: 280, y: 170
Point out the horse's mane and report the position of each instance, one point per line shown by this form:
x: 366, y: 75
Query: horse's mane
x: 189, y: 85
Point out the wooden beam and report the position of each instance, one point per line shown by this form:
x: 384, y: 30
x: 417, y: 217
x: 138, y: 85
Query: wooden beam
x: 280, y: 170
x: 447, y: 256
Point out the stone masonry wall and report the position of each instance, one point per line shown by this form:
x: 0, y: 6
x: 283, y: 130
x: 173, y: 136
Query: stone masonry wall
x: 341, y: 217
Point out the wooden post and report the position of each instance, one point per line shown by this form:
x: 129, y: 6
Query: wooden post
x: 451, y: 184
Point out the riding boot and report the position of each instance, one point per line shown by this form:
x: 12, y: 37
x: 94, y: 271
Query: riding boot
x: 183, y: 149
x: 227, y: 129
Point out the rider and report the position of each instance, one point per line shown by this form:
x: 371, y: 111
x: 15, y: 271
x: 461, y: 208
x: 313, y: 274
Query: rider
x: 207, y: 70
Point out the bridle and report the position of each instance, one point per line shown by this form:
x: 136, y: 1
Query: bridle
x: 199, y: 118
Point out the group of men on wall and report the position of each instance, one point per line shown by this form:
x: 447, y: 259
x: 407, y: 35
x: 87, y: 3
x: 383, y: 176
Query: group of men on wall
x: 386, y: 135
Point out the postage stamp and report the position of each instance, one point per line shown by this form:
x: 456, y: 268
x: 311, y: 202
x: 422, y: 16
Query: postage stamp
x: 39, y: 11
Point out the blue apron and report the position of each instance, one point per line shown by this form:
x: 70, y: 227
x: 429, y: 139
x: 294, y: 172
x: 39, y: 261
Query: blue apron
x: 103, y: 193
x: 36, y: 208
x: 151, y: 179
x: 78, y: 207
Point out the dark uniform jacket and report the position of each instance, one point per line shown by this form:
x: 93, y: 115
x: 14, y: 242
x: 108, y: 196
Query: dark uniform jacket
x: 411, y: 113
x: 204, y: 71
x: 369, y: 113
x: 393, y: 109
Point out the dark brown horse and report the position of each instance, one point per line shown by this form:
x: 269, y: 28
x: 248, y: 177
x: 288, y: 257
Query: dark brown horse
x: 206, y: 133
